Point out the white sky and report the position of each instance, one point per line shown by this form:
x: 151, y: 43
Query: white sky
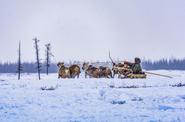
x: 88, y: 29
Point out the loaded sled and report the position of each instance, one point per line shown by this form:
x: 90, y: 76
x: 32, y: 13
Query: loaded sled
x: 136, y: 76
x: 133, y: 76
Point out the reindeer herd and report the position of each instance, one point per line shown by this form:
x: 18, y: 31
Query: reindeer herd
x: 91, y: 71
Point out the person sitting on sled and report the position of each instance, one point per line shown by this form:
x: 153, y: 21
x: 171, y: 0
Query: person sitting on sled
x: 136, y: 66
x: 136, y: 70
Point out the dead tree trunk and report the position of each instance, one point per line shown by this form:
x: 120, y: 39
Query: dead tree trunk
x: 19, y: 66
x: 48, y: 57
x: 37, y: 56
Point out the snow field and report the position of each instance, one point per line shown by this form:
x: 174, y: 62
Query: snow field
x: 92, y: 100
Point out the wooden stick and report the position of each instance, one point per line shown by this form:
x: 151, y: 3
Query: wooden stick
x: 159, y: 74
x: 111, y: 58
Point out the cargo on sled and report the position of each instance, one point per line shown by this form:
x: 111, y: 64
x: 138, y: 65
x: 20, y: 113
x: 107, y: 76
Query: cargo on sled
x: 133, y: 76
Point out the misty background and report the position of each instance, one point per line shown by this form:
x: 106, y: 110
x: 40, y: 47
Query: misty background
x: 88, y: 29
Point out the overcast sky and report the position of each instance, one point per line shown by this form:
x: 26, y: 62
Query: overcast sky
x: 88, y: 29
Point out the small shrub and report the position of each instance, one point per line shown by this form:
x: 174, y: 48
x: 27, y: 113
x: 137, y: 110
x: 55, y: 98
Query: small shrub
x: 118, y: 102
x: 128, y: 86
x: 49, y: 88
x: 178, y: 85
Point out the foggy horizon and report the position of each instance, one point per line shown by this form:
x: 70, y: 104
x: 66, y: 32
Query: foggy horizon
x: 87, y: 30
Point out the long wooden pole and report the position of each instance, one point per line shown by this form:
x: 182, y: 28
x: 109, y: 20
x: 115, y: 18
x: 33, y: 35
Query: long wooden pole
x: 158, y: 74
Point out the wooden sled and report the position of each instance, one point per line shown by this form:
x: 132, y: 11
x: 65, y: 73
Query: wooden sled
x: 134, y: 76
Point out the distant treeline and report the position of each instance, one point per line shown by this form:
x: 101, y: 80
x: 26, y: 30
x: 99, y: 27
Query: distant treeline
x: 171, y: 64
x: 26, y: 68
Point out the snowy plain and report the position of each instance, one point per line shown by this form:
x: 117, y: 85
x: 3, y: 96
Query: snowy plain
x: 92, y: 100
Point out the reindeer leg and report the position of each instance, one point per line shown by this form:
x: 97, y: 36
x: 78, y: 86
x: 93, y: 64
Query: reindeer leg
x: 111, y: 75
x: 71, y: 75
x: 108, y: 75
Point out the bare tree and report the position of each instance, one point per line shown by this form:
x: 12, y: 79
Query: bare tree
x: 37, y: 57
x: 19, y: 66
x: 48, y: 56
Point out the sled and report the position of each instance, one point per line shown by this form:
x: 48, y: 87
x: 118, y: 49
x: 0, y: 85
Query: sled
x: 136, y: 76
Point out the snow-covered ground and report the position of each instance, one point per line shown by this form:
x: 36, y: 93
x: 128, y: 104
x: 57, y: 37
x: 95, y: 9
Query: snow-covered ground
x: 92, y: 100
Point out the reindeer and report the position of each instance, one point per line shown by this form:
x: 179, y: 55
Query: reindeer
x: 74, y: 71
x: 105, y: 72
x: 91, y: 71
x: 63, y: 72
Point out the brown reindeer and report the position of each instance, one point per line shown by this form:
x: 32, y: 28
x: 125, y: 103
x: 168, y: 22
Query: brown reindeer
x: 105, y: 72
x: 74, y: 71
x: 63, y: 72
x: 91, y: 71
